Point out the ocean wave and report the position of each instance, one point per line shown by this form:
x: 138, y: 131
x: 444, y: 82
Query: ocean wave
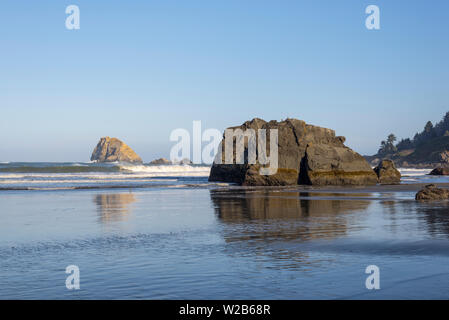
x: 169, y: 170
x: 414, y: 172
x: 109, y: 168
x: 59, y: 169
x: 74, y: 176
x: 86, y: 181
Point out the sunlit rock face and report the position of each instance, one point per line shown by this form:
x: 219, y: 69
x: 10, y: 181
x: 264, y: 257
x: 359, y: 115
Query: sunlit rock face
x: 307, y: 154
x: 112, y: 150
x: 387, y: 172
x: 431, y: 192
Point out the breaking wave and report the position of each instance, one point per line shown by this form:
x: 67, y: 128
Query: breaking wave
x: 168, y: 170
x: 68, y: 176
x: 414, y: 172
x: 57, y: 167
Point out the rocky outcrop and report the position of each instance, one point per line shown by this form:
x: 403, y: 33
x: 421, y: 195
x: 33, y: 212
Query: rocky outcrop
x: 161, y: 161
x: 307, y: 154
x: 183, y: 161
x: 112, y: 150
x: 387, y: 172
x: 431, y: 192
x: 440, y: 172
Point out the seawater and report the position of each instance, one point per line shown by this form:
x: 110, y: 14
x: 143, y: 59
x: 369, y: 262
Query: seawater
x: 52, y: 176
x: 201, y: 241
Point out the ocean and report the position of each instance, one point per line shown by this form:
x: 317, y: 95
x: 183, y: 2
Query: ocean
x: 76, y: 175
x: 165, y: 232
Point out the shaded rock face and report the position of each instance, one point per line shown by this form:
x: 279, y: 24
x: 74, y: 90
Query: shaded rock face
x: 112, y: 149
x: 440, y: 172
x: 387, y: 172
x: 431, y: 192
x: 307, y: 154
x: 161, y: 161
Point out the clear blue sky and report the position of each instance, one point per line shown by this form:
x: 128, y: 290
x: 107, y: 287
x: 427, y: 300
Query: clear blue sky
x: 137, y: 70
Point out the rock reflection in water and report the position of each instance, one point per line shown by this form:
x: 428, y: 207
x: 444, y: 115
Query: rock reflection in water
x: 437, y: 218
x: 114, y: 207
x: 274, y: 215
x: 431, y: 217
x: 272, y: 225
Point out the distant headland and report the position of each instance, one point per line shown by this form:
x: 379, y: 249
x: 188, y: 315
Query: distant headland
x: 427, y: 149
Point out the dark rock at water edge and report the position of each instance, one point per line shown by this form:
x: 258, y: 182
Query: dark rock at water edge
x: 161, y: 161
x: 440, y: 172
x: 431, y: 192
x: 387, y: 172
x: 183, y: 161
x: 308, y: 154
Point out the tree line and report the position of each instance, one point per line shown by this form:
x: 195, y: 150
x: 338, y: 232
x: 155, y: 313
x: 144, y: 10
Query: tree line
x: 430, y: 132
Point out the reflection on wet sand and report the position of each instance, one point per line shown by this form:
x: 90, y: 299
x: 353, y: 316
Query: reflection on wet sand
x: 285, y: 215
x: 437, y: 218
x: 431, y: 216
x: 114, y: 207
x: 257, y: 222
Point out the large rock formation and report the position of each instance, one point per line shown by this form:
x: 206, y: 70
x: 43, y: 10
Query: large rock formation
x: 387, y: 172
x: 431, y: 192
x: 112, y: 150
x: 307, y: 154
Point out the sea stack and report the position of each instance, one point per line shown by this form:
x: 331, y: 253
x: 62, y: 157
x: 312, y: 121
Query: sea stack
x: 387, y: 172
x: 440, y: 172
x: 162, y: 161
x: 307, y: 155
x: 114, y: 150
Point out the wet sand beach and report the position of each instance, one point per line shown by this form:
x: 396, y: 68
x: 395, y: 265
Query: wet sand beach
x: 224, y: 243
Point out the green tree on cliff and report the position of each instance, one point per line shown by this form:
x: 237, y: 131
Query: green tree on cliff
x: 404, y: 144
x: 388, y: 147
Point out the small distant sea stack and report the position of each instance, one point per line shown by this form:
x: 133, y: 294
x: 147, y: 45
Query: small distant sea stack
x: 112, y: 150
x: 387, y: 173
x: 161, y: 161
x: 440, y: 172
x: 307, y: 155
x: 183, y: 161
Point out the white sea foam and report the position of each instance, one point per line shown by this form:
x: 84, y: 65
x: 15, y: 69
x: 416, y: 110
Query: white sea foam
x: 127, y: 171
x: 84, y: 181
x: 169, y: 170
x: 414, y: 172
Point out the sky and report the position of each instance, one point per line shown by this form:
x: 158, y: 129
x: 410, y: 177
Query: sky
x: 137, y: 70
